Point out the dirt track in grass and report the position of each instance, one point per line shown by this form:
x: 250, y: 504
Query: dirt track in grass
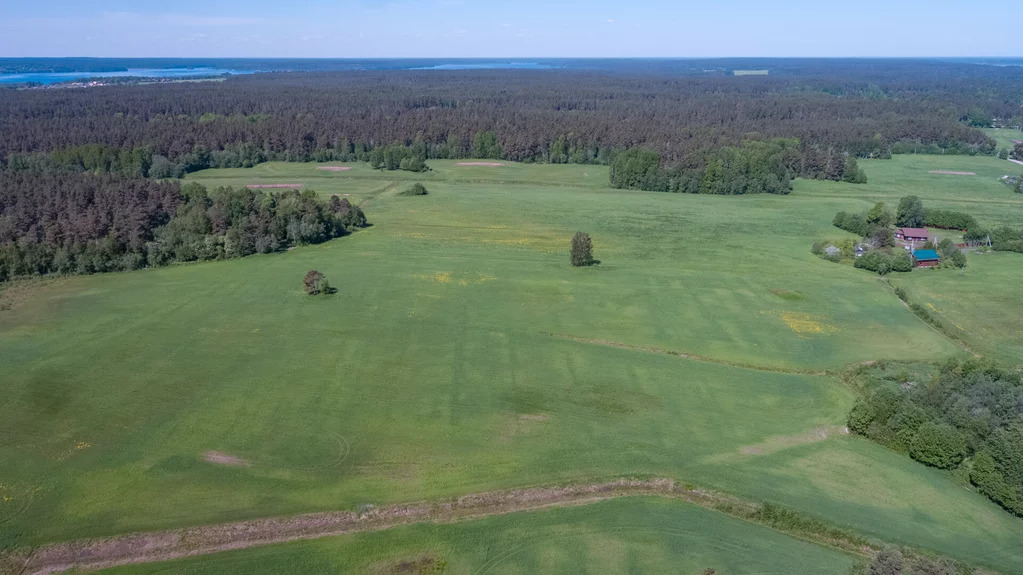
x: 134, y: 548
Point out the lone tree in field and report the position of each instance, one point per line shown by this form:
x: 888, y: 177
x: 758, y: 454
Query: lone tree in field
x: 315, y: 283
x: 582, y: 249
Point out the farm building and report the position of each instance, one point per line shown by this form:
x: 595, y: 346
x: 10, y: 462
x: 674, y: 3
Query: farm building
x: 911, y: 234
x: 926, y: 258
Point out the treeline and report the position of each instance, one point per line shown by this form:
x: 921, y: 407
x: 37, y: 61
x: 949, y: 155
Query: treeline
x: 83, y: 223
x: 832, y: 109
x: 967, y: 417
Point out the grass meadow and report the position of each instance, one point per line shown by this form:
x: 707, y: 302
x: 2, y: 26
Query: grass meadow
x: 1004, y: 136
x: 462, y: 353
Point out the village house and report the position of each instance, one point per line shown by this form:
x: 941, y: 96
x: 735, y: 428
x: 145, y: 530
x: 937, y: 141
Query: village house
x: 911, y: 234
x: 926, y: 258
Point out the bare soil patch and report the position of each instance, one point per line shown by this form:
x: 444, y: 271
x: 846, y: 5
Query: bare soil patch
x: 334, y: 168
x: 484, y: 164
x: 274, y: 186
x: 953, y: 173
x: 15, y: 293
x: 220, y: 458
x: 415, y: 566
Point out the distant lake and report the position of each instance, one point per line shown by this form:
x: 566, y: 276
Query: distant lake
x: 487, y: 66
x: 55, y: 77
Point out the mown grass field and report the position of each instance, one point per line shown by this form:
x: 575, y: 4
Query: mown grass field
x: 635, y: 535
x: 462, y: 353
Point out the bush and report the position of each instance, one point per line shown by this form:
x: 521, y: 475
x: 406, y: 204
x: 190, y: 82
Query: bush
x: 316, y: 283
x: 888, y: 561
x: 417, y: 189
x: 853, y: 223
x: 875, y: 261
x: 939, y: 445
x: 861, y: 416
x: 990, y: 481
x: 902, y: 262
x: 582, y: 250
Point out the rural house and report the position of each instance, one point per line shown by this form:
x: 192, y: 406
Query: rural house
x: 911, y: 234
x: 926, y: 258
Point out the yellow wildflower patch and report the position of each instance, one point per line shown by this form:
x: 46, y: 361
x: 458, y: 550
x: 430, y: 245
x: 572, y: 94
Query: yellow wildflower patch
x: 450, y: 278
x: 805, y: 323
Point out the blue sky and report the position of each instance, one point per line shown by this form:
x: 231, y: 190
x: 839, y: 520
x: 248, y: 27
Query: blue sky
x: 526, y: 28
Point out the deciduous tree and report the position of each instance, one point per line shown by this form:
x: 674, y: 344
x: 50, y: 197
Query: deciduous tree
x: 313, y: 281
x: 582, y: 250
x: 910, y: 213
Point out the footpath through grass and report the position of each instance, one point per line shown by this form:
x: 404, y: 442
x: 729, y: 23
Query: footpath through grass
x: 442, y: 366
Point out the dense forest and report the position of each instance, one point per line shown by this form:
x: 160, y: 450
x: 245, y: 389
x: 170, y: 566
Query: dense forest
x: 558, y: 116
x: 80, y: 167
x: 87, y: 223
x: 968, y: 417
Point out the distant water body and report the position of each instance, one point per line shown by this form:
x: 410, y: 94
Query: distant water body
x: 45, y: 72
x: 55, y: 70
x: 56, y: 77
x: 487, y: 66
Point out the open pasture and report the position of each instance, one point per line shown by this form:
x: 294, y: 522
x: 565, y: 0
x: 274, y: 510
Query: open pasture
x: 982, y: 195
x: 1006, y: 137
x: 462, y: 353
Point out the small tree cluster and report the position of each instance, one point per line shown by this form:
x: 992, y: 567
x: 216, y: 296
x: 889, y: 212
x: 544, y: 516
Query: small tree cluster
x: 883, y: 263
x: 350, y: 215
x: 582, y: 250
x: 874, y: 224
x: 316, y: 283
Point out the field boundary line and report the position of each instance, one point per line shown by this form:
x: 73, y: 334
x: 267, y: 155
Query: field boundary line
x: 952, y: 338
x: 690, y: 356
x: 158, y: 546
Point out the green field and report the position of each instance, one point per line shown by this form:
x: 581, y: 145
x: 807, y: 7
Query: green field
x: 462, y: 354
x: 635, y: 535
x: 1004, y: 136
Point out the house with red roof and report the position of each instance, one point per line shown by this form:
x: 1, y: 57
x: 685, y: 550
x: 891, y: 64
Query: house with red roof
x: 911, y: 234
